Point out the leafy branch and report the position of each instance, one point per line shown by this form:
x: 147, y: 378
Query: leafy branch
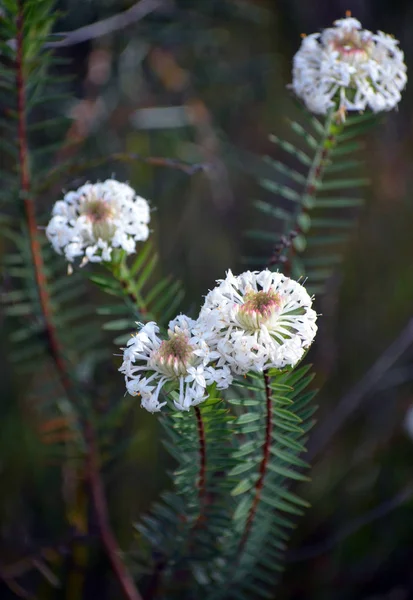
x: 266, y: 453
x: 313, y: 223
x: 28, y: 203
x: 300, y: 219
x: 202, y: 461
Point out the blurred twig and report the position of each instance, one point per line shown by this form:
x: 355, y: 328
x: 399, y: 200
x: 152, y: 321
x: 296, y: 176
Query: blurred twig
x: 178, y: 80
x: 352, y: 400
x: 346, y: 531
x: 36, y: 560
x: 98, y: 499
x: 154, y: 161
x: 31, y: 560
x: 89, y: 32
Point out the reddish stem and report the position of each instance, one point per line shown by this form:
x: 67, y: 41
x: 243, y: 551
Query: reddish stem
x: 315, y: 174
x: 263, y: 467
x: 309, y: 190
x: 202, y: 457
x: 101, y: 511
x: 28, y: 203
x: 133, y: 297
x: 98, y: 496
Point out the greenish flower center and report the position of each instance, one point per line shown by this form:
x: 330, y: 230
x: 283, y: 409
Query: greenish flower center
x: 258, y: 308
x: 99, y: 212
x: 174, y: 356
x: 261, y: 302
x: 177, y: 347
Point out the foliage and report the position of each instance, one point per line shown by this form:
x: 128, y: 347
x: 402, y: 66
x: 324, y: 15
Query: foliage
x: 222, y: 530
x: 320, y: 185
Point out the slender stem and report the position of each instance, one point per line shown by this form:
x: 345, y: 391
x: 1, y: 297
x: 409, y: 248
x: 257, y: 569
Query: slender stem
x: 263, y: 467
x: 98, y: 497
x: 135, y: 13
x: 120, y: 271
x: 315, y: 173
x: 28, y: 203
x: 30, y: 561
x: 132, y: 294
x: 54, y: 174
x: 202, y: 459
x: 101, y: 511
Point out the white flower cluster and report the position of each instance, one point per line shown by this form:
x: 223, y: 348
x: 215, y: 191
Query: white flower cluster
x: 182, y: 362
x: 349, y: 68
x: 253, y: 322
x: 258, y: 320
x: 96, y: 218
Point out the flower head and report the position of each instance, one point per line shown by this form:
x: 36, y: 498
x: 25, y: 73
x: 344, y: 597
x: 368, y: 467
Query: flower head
x: 349, y: 68
x: 96, y: 218
x: 258, y: 320
x: 181, y: 362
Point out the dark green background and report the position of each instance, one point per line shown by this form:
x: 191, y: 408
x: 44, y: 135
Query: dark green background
x: 231, y: 61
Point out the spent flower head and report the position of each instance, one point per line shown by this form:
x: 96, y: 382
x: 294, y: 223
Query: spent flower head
x: 96, y: 218
x: 349, y: 68
x: 182, y: 362
x: 257, y: 321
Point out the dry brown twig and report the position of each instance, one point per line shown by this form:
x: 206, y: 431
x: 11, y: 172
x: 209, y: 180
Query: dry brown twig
x: 114, y: 23
x: 351, y: 401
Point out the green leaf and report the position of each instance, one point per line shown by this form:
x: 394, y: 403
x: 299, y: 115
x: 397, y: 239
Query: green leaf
x: 290, y: 496
x: 283, y: 190
x: 248, y: 418
x: 247, y: 448
x: 284, y: 170
x: 244, y: 485
x: 106, y: 282
x: 244, y: 402
x: 285, y: 472
x: 342, y: 184
x: 288, y: 458
x: 244, y: 466
x: 140, y: 259
x: 338, y: 202
x: 286, y: 414
x: 118, y: 324
x: 310, y: 140
x: 242, y: 509
x: 298, y: 154
x: 278, y: 504
x: 345, y: 149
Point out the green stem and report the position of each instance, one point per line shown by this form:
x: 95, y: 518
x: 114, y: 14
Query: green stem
x: 120, y: 271
x: 331, y: 129
x: 130, y: 291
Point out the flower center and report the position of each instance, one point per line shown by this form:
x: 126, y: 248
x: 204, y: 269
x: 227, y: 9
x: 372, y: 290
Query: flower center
x: 99, y: 212
x: 258, y: 308
x: 352, y: 47
x: 174, y: 356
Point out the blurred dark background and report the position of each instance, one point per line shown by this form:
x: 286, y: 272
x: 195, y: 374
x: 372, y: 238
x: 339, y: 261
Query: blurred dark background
x: 205, y: 81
